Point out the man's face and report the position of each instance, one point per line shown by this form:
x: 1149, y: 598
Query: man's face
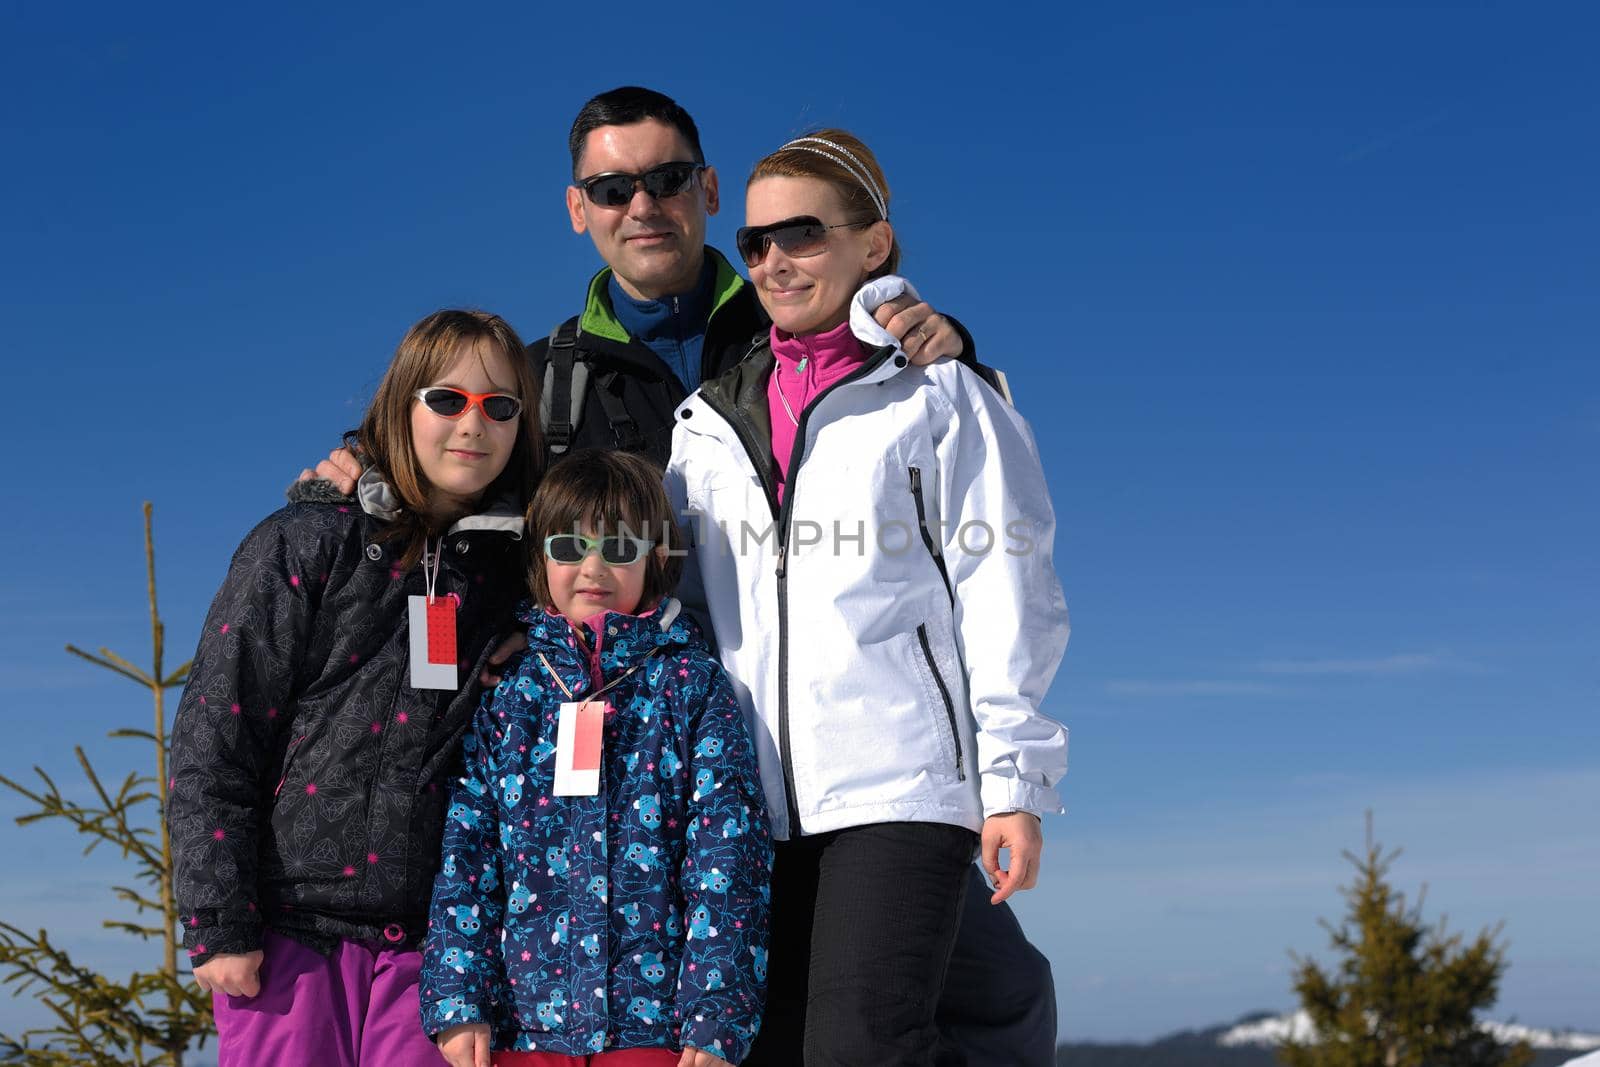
x: 655, y: 247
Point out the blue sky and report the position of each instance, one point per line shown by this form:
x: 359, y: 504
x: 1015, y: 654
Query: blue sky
x: 1299, y: 297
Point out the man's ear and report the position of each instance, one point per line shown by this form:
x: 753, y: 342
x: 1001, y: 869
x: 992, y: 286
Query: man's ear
x: 708, y: 182
x: 575, y: 215
x: 880, y: 242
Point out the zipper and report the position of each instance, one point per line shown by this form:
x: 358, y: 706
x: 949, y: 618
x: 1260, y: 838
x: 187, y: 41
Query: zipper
x: 594, y: 657
x: 742, y: 430
x: 677, y: 332
x: 927, y: 536
x: 591, y: 656
x: 288, y: 761
x: 949, y: 705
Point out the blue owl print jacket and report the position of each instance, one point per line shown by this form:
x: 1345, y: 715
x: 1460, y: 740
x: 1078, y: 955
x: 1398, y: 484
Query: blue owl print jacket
x: 636, y: 918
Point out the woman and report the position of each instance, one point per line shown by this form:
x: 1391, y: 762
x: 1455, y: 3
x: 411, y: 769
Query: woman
x: 874, y: 542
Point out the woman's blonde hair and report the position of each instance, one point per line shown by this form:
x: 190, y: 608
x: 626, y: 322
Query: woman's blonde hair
x: 839, y: 158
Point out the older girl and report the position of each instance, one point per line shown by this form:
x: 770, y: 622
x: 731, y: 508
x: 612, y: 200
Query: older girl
x: 321, y: 725
x: 874, y: 542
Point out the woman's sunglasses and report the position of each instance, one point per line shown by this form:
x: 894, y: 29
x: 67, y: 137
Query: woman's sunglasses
x: 801, y: 236
x: 614, y: 551
x: 451, y: 403
x: 615, y: 188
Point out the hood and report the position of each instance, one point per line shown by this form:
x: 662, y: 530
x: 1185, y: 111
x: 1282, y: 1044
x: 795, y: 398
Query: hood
x: 867, y: 299
x: 379, y: 500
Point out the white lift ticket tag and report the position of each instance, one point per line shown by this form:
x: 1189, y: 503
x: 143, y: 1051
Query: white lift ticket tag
x: 578, y: 745
x: 433, y: 642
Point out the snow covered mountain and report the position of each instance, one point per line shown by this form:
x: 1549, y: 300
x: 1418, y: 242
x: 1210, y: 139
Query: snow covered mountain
x: 1297, y: 1026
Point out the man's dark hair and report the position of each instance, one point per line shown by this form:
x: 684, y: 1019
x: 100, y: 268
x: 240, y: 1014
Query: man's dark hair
x: 624, y: 107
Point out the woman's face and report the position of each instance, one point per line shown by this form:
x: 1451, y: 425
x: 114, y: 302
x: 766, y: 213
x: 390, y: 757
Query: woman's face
x: 810, y: 294
x: 460, y: 456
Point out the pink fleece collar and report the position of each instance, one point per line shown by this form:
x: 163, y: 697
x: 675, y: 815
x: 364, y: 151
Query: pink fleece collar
x: 820, y: 353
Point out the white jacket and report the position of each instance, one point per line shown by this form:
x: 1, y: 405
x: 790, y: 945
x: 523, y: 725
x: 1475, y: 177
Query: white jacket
x: 892, y: 650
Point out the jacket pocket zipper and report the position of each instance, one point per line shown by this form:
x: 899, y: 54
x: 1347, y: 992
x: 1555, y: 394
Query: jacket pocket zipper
x: 944, y: 692
x: 927, y: 535
x: 288, y: 761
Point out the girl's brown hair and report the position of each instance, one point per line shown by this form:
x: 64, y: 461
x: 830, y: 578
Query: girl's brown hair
x: 839, y: 158
x: 607, y: 493
x: 383, y: 440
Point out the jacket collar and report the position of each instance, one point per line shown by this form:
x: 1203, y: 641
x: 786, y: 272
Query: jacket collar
x: 600, y: 319
x: 378, y: 499
x: 612, y: 640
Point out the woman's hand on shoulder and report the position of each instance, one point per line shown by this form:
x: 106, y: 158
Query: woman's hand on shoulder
x: 699, y: 1057
x: 238, y: 974
x: 923, y: 333
x: 1018, y: 831
x: 466, y: 1045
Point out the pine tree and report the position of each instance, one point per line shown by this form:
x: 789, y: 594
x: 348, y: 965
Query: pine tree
x: 151, y: 1017
x: 1405, y: 993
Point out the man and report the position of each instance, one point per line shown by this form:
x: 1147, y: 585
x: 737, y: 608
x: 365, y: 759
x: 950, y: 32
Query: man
x: 664, y: 314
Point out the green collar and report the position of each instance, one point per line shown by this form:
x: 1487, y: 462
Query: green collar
x: 600, y: 320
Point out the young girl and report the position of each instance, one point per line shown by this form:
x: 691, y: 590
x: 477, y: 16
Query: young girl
x: 318, y: 734
x: 604, y: 891
x: 875, y: 548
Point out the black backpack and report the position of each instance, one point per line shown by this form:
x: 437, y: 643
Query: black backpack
x: 568, y: 379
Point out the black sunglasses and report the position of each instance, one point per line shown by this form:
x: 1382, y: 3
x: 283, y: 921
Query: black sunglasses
x: 615, y: 188
x: 801, y: 236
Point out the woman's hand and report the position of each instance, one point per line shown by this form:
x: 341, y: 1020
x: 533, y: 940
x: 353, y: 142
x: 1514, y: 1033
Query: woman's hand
x: 923, y: 333
x: 699, y: 1057
x: 234, y: 973
x: 466, y: 1045
x: 1018, y: 831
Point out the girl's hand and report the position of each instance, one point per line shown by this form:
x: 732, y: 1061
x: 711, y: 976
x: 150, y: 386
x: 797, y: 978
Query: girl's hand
x: 1019, y: 832
x: 236, y: 974
x: 513, y: 643
x: 466, y: 1045
x: 699, y: 1057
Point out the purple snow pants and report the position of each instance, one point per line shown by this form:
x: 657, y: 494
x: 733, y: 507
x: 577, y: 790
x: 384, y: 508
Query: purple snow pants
x: 357, y: 1008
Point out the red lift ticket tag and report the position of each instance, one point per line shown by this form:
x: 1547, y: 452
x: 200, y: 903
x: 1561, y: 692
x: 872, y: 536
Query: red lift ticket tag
x: 578, y: 745
x: 433, y: 642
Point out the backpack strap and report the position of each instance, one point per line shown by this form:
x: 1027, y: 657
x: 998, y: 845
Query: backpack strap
x: 566, y: 380
x: 624, y: 430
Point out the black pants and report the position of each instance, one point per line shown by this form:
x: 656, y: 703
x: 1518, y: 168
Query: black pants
x: 863, y: 922
x: 999, y: 1003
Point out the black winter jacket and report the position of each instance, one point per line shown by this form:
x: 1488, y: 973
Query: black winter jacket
x: 637, y: 379
x: 308, y: 778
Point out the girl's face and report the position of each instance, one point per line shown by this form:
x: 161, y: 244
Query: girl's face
x: 579, y: 590
x: 460, y: 456
x: 810, y: 294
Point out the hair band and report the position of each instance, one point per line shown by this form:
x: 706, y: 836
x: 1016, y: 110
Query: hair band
x: 849, y: 162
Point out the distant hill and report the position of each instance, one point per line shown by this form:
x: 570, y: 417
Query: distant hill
x: 1249, y: 1042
